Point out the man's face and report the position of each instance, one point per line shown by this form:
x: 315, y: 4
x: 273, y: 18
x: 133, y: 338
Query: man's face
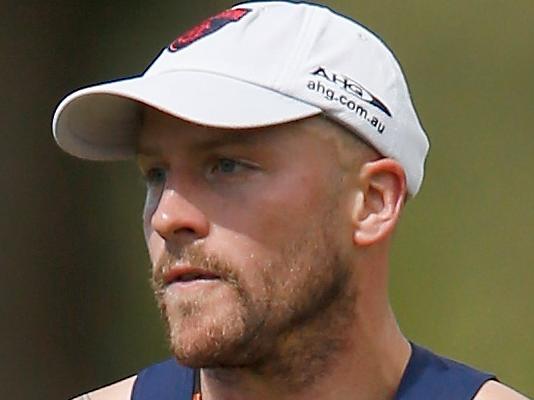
x: 247, y: 231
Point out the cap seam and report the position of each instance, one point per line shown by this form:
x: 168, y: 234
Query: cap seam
x: 296, y: 54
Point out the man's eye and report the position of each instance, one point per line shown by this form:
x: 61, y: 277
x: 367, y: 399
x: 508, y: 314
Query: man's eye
x: 155, y: 176
x: 227, y: 166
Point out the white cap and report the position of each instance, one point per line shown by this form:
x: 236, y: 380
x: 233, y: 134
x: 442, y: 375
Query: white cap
x: 258, y: 64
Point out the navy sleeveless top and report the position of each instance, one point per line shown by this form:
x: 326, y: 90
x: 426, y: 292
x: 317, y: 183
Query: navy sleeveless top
x: 427, y: 376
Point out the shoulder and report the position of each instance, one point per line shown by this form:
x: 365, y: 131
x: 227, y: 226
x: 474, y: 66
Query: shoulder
x: 493, y: 390
x: 121, y: 390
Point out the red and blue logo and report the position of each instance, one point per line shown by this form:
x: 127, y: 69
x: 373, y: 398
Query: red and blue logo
x: 207, y: 27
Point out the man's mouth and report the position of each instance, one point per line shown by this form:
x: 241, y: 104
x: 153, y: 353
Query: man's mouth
x: 187, y: 274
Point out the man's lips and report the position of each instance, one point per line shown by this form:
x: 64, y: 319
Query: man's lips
x: 187, y: 274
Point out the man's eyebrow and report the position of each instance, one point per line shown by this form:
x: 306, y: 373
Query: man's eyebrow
x: 211, y: 141
x: 147, y: 149
x: 240, y: 137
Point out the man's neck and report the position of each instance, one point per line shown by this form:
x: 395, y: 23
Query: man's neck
x: 367, y: 365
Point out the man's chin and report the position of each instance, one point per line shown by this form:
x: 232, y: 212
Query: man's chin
x: 212, y: 331
x: 205, y: 361
x: 207, y: 342
x: 211, y: 353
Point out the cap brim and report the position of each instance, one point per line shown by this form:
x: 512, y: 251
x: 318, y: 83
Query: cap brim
x: 101, y: 122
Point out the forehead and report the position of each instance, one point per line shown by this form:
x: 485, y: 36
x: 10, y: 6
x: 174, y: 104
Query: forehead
x: 159, y: 129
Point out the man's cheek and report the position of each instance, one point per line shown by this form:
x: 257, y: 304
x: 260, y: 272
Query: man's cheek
x: 155, y: 245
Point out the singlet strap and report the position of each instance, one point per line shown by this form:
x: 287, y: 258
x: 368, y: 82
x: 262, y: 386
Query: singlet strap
x: 164, y: 381
x: 429, y: 376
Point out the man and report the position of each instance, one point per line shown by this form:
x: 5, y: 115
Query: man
x: 279, y: 145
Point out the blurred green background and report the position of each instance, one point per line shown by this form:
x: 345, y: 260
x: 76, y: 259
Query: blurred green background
x: 76, y: 310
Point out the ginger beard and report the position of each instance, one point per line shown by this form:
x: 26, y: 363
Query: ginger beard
x: 300, y: 307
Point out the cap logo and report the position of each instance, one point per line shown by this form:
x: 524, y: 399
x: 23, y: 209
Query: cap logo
x: 352, y: 87
x: 207, y: 27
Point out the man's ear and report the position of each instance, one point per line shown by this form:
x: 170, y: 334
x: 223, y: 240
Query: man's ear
x: 379, y: 201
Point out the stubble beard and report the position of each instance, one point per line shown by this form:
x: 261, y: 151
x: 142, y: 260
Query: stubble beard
x: 289, y: 334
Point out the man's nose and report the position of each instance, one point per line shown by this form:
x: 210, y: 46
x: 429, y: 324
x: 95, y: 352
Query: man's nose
x: 179, y: 219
